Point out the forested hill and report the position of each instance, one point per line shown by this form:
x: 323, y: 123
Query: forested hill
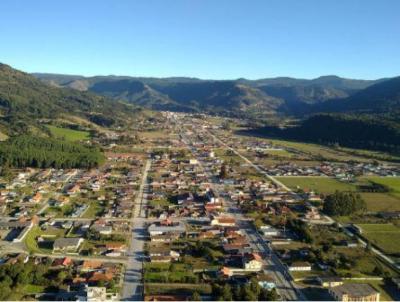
x: 379, y: 98
x: 239, y: 97
x: 24, y: 100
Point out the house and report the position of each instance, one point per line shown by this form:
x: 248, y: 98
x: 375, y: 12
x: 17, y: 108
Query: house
x: 329, y: 281
x: 162, y: 228
x: 67, y: 245
x: 224, y: 221
x: 253, y: 262
x: 269, y: 231
x: 299, y: 266
x: 354, y: 292
x: 62, y: 262
x: 91, y: 265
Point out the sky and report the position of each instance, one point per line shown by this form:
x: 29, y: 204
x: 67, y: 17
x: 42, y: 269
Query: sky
x: 211, y: 39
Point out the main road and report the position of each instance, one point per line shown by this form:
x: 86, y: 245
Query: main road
x: 133, y: 281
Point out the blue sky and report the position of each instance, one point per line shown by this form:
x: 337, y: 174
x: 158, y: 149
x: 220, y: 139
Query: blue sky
x: 219, y: 39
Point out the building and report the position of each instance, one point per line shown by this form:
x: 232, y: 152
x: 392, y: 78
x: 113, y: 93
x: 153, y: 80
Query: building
x: 67, y: 245
x: 253, y: 262
x: 173, y: 228
x: 224, y: 221
x: 330, y: 281
x: 300, y: 267
x: 354, y: 292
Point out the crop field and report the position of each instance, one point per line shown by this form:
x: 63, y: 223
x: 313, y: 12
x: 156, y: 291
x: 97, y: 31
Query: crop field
x: 386, y: 236
x: 318, y: 184
x: 68, y: 134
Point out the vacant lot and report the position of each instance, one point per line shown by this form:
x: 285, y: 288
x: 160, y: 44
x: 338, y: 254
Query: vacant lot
x: 318, y: 184
x: 386, y: 236
x: 68, y: 134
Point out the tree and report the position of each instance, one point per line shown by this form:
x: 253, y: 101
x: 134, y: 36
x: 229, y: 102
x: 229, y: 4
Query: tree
x: 226, y: 293
x: 343, y: 203
x: 268, y: 295
x: 224, y: 172
x: 195, y: 296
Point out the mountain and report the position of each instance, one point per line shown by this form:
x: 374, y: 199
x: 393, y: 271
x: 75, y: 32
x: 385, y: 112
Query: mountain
x: 370, y: 119
x: 24, y: 100
x: 240, y: 97
x: 382, y: 97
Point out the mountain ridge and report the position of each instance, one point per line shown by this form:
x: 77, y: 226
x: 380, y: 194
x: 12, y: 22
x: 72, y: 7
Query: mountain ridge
x: 243, y: 98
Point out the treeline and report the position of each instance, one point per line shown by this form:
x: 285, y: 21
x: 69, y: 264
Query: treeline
x: 28, y: 151
x: 361, y: 131
x: 250, y: 291
x: 343, y: 203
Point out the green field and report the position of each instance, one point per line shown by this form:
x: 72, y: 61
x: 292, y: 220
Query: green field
x: 393, y: 183
x: 381, y: 202
x: 385, y: 236
x: 68, y: 134
x: 318, y: 184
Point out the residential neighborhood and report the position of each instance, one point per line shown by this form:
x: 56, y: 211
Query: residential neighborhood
x: 187, y: 212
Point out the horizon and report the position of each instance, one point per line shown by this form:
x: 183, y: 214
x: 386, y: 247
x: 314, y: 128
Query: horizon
x: 195, y: 78
x: 203, y: 39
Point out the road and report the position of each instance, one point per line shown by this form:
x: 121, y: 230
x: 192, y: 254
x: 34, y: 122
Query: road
x: 284, y: 283
x: 133, y: 280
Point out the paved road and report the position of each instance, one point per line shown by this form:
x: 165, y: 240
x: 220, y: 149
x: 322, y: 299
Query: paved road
x: 133, y: 280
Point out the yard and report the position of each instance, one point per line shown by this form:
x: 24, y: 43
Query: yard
x: 51, y: 234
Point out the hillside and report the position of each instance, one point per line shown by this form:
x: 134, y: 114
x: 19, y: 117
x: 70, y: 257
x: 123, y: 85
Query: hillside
x: 368, y: 119
x: 382, y: 97
x: 24, y: 100
x: 237, y: 97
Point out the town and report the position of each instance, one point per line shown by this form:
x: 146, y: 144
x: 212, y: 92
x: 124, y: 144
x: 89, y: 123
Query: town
x: 188, y: 207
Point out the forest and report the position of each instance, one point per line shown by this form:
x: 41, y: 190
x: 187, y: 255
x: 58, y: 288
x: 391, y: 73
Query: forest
x: 39, y: 152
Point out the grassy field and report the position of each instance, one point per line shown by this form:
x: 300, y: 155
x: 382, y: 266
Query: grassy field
x: 68, y: 134
x: 318, y: 184
x: 381, y: 202
x: 385, y: 236
x: 393, y: 183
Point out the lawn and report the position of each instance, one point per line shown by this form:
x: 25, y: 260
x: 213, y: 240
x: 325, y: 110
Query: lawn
x: 94, y: 210
x: 68, y: 134
x: 31, y: 243
x: 385, y: 236
x: 318, y: 184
